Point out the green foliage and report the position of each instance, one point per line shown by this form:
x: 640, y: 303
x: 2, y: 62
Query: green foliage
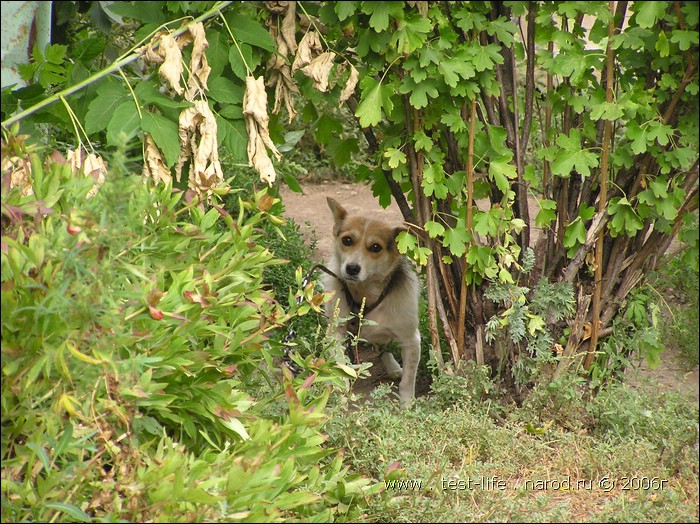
x: 529, y: 322
x: 144, y: 389
x: 677, y: 282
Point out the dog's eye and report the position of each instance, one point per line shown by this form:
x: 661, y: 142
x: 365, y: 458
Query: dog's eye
x: 347, y: 241
x: 375, y: 248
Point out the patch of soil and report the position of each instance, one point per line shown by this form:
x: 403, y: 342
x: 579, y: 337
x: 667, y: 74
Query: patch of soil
x: 310, y: 210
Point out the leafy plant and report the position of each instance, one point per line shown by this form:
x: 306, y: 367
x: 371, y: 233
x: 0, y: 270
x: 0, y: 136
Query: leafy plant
x: 148, y: 370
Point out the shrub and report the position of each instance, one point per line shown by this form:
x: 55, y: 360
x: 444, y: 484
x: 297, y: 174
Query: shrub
x: 138, y: 370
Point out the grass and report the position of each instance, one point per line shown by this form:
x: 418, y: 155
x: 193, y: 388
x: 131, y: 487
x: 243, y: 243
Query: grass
x: 638, y: 461
x: 677, y: 282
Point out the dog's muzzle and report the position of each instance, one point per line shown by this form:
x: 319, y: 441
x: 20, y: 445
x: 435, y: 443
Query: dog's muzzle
x: 352, y: 270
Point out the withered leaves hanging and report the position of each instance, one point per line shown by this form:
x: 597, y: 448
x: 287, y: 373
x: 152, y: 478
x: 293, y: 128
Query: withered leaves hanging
x: 256, y: 121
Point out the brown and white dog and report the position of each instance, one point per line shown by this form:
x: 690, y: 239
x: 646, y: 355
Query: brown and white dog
x: 368, y: 266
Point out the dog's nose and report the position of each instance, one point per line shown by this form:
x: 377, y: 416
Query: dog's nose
x: 352, y: 269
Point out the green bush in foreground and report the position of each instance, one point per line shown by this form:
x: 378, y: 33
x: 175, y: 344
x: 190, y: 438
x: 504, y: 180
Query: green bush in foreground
x: 137, y: 369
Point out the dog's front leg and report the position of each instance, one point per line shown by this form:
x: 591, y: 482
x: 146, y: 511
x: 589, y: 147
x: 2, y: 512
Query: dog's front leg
x: 410, y: 356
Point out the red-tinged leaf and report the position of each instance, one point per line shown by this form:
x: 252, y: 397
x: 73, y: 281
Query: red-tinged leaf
x: 155, y: 314
x: 57, y: 158
x: 73, y: 230
x: 222, y: 211
x: 195, y: 298
x: 307, y: 383
x: 290, y: 394
x: 394, y: 466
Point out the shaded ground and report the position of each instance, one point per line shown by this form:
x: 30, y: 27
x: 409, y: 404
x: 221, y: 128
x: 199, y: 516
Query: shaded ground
x: 310, y: 211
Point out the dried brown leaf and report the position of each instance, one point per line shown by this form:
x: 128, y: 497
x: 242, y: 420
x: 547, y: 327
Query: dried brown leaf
x: 89, y: 164
x: 154, y: 165
x: 349, y: 88
x: 198, y: 144
x: 20, y: 170
x: 169, y: 55
x: 309, y: 47
x: 319, y: 70
x: 199, y: 66
x: 288, y: 31
x: 256, y: 120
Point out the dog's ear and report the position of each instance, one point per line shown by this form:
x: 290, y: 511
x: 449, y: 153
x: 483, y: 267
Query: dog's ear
x: 339, y: 212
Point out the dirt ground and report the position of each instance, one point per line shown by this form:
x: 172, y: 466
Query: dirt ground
x: 310, y: 210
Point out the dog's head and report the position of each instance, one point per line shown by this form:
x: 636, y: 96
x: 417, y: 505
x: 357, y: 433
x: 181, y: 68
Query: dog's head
x: 365, y: 248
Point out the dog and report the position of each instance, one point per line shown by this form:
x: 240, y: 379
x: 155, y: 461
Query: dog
x: 368, y: 266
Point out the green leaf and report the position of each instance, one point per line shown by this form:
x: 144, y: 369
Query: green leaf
x: 328, y: 128
x: 535, y: 324
x: 486, y: 56
x: 249, y: 31
x: 55, y: 53
x: 217, y: 53
x: 422, y: 141
x: 149, y: 93
x: 420, y: 91
x: 234, y: 136
x: 660, y: 132
x: 684, y: 39
x: 504, y: 29
x: 658, y: 186
x: 110, y: 95
x: 498, y: 138
x: 455, y: 68
x: 638, y: 135
x: 571, y: 156
x: 456, y: 239
x: 434, y: 229
x: 225, y: 90
x: 240, y: 57
x: 395, y: 157
x: 343, y: 150
x: 380, y: 13
x: 434, y: 181
x: 578, y: 103
x: 165, y: 134
x: 124, y: 124
x: 575, y: 233
x: 647, y: 13
x: 586, y: 212
x: 411, y: 33
x: 501, y: 170
x: 71, y: 510
x: 345, y: 9
x: 149, y: 12
x: 662, y: 45
x: 405, y: 242
x: 292, y: 183
x: 232, y: 112
x: 369, y: 110
x: 486, y: 222
x: 454, y: 121
x: 547, y: 213
x: 625, y: 219
x: 606, y: 111
x: 468, y: 19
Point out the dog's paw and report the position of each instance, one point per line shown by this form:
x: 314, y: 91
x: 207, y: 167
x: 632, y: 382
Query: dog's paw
x: 393, y: 370
x: 395, y: 374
